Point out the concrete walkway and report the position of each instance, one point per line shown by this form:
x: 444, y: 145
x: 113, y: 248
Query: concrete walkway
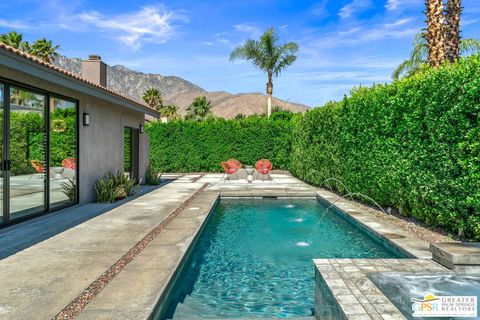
x: 41, y: 280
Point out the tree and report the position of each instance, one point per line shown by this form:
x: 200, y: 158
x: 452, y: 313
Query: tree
x: 435, y: 32
x: 13, y: 39
x: 453, y: 12
x: 169, y: 111
x: 268, y: 55
x: 419, y: 55
x: 199, y: 109
x: 153, y: 98
x: 44, y: 50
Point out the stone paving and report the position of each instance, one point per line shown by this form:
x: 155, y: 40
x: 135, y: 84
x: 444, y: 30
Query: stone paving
x: 344, y: 291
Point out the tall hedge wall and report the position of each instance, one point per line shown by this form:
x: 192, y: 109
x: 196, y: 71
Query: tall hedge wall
x: 189, y: 146
x: 412, y: 145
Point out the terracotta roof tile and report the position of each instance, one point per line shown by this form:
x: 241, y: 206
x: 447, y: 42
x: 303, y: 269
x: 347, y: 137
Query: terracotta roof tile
x: 70, y: 74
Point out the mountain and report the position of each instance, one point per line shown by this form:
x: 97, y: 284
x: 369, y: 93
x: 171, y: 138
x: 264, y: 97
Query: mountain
x: 181, y: 92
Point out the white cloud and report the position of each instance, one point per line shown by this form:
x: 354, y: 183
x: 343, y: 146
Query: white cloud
x: 392, y: 5
x: 149, y: 24
x: 320, y: 9
x: 353, y: 7
x: 250, y: 28
x: 17, y: 25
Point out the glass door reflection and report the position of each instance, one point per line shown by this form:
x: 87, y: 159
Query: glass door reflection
x: 27, y: 140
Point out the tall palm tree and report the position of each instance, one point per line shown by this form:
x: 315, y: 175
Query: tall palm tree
x: 200, y: 109
x: 153, y: 98
x: 268, y: 55
x: 44, y: 50
x: 453, y: 12
x: 435, y: 33
x: 419, y: 55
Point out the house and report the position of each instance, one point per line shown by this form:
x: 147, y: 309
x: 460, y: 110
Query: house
x: 60, y: 132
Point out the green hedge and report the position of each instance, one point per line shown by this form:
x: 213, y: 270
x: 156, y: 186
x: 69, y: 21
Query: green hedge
x: 189, y: 146
x: 413, y: 145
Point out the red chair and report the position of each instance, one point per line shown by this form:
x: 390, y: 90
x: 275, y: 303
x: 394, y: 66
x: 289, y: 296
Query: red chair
x: 38, y: 166
x: 234, y: 163
x: 229, y: 170
x: 263, y: 167
x: 69, y: 163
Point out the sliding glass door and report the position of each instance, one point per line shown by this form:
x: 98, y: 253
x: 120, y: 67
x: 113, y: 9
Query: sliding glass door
x: 38, y: 152
x: 26, y: 152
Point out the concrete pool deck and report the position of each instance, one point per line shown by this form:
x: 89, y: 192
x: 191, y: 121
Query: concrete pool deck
x: 58, y: 269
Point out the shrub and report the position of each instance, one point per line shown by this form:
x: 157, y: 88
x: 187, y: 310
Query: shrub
x: 190, y: 146
x: 113, y: 187
x: 69, y: 189
x: 152, y: 176
x: 413, y: 145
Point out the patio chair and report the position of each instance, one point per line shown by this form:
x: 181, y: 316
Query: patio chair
x: 69, y: 163
x: 234, y: 163
x: 263, y: 167
x: 38, y: 165
x: 229, y: 170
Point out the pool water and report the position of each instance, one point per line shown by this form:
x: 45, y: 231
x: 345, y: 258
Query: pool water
x: 254, y: 259
x: 400, y: 288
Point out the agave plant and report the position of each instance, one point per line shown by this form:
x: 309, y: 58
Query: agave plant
x: 113, y: 187
x: 153, y: 177
x: 69, y: 189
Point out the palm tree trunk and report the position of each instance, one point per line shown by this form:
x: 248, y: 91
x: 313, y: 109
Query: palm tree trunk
x: 435, y: 38
x: 269, y: 95
x: 452, y: 29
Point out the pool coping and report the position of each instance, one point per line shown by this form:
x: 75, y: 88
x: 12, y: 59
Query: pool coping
x: 403, y: 241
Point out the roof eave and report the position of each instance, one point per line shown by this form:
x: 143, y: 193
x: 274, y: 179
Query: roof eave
x: 13, y: 61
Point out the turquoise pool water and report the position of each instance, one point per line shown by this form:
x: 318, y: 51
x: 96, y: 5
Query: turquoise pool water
x: 254, y: 259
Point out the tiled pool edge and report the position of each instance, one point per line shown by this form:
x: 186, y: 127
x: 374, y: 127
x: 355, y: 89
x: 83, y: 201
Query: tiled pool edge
x: 393, y: 236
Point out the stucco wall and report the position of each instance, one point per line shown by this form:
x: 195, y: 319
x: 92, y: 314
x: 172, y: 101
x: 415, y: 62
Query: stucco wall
x: 101, y: 143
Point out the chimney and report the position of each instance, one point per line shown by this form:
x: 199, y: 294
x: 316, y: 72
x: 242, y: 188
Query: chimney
x: 95, y: 70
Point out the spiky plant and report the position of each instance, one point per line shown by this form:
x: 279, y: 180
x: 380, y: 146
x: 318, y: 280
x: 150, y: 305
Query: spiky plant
x: 435, y: 33
x: 453, y: 11
x: 268, y: 55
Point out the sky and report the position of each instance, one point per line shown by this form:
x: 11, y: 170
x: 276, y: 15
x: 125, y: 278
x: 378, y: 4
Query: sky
x: 343, y: 43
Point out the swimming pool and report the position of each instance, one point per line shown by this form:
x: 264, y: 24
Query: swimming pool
x: 254, y: 259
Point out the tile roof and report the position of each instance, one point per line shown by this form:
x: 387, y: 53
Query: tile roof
x: 70, y: 74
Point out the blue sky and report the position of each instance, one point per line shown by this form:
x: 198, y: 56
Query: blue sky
x: 343, y: 43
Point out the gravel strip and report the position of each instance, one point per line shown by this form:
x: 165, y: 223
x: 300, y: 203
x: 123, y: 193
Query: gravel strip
x: 79, y: 303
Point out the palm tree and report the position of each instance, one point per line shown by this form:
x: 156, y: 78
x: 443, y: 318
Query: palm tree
x: 267, y: 55
x: 452, y: 29
x: 435, y: 32
x: 14, y: 39
x: 153, y: 98
x: 44, y: 50
x: 170, y: 111
x: 199, y: 109
x: 419, y: 55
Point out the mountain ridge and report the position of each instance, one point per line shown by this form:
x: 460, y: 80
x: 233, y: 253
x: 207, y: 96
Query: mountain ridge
x: 181, y: 92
